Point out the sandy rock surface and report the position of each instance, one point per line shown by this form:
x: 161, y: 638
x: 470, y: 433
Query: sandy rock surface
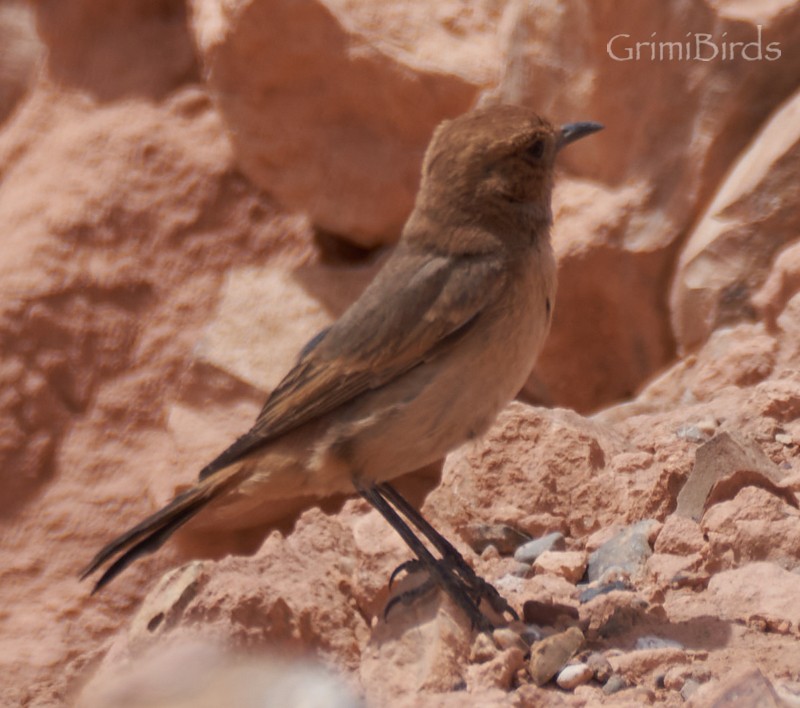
x: 190, y: 191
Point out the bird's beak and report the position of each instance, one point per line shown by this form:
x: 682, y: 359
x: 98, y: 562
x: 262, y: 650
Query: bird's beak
x: 574, y: 131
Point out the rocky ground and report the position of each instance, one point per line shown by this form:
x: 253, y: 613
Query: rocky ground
x: 189, y: 191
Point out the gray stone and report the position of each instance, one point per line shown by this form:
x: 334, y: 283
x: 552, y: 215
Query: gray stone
x: 615, y: 684
x: 529, y: 552
x: 627, y: 551
x: 650, y: 641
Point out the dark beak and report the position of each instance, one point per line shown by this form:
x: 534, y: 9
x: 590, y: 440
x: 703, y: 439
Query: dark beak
x: 574, y: 131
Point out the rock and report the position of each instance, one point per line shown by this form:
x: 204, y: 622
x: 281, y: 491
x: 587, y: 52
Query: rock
x: 679, y: 535
x: 266, y: 315
x: 740, y: 689
x: 670, y: 569
x: 676, y: 677
x: 641, y: 663
x: 547, y: 614
x: 788, y: 691
x: 589, y: 594
x: 507, y: 638
x: 506, y: 539
x: 498, y: 672
x: 757, y: 591
x: 574, y: 675
x: 575, y: 446
x: 530, y: 551
x: 691, y: 433
x: 758, y: 524
x: 550, y: 655
x: 728, y: 255
x: 570, y: 565
x: 483, y: 649
x: 653, y: 642
x: 615, y: 684
x: 601, y: 536
x: 600, y: 666
x: 613, y: 613
x: 783, y: 281
x: 627, y: 551
x: 588, y: 239
x: 198, y: 674
x: 350, y: 159
x: 689, y: 688
x: 522, y: 570
x: 260, y: 601
x: 21, y: 53
x: 724, y: 465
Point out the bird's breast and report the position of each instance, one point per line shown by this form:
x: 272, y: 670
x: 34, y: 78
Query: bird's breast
x: 427, y: 412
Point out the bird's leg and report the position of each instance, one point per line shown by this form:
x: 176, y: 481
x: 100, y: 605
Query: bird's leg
x: 450, y: 555
x: 439, y: 572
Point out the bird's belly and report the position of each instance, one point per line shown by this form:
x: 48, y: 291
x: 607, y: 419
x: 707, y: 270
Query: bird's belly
x: 441, y: 404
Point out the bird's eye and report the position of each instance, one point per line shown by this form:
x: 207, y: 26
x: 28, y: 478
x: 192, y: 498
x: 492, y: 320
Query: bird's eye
x: 536, y: 150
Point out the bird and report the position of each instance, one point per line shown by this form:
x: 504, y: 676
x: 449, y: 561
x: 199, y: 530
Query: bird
x: 423, y: 361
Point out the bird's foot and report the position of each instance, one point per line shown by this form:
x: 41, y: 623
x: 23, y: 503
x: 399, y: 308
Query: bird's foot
x: 458, y: 579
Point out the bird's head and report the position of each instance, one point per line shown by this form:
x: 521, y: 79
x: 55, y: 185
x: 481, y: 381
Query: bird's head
x: 495, y: 163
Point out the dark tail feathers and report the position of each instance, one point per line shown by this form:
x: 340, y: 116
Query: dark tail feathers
x: 149, y: 535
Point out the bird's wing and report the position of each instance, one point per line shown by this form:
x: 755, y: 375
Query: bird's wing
x: 417, y: 307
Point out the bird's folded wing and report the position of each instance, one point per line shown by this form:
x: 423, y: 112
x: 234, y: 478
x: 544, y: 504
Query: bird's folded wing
x: 415, y: 309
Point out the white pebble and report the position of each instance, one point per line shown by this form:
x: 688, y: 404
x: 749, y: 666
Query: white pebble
x: 574, y: 675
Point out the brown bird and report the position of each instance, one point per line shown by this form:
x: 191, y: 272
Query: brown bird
x: 441, y: 340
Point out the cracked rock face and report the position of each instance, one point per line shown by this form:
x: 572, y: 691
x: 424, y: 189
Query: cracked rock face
x: 188, y: 194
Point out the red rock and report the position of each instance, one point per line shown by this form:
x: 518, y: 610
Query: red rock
x: 570, y: 565
x: 22, y: 51
x: 497, y: 673
x: 669, y: 568
x: 679, y: 535
x: 728, y: 256
x: 724, y: 465
x: 758, y: 524
x: 551, y: 654
x: 741, y: 689
x: 350, y: 158
x: 760, y: 591
x: 613, y: 613
x: 547, y: 613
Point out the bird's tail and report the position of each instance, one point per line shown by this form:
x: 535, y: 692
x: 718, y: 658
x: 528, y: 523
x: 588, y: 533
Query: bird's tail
x: 150, y: 534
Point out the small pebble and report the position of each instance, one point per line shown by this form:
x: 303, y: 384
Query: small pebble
x: 708, y: 426
x: 521, y: 570
x: 570, y: 565
x: 545, y: 614
x: 689, y: 687
x: 490, y: 553
x: 550, y: 655
x: 573, y: 676
x: 691, y: 433
x: 530, y: 551
x: 627, y: 551
x: 615, y: 684
x: 506, y: 539
x: 650, y: 641
x: 600, y: 666
x: 483, y: 649
x: 784, y: 439
x: 591, y: 593
x: 506, y: 638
